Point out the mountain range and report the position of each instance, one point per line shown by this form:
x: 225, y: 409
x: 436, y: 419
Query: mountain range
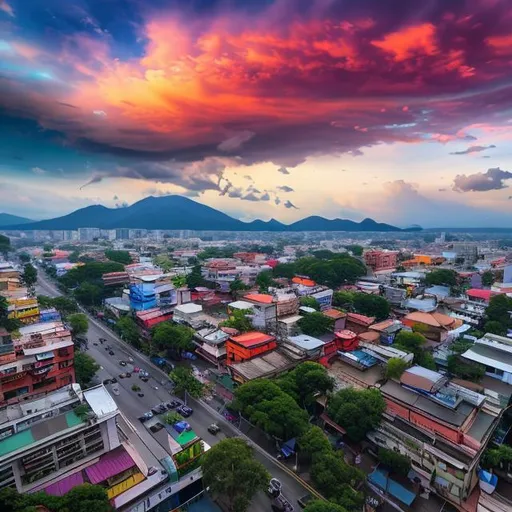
x: 177, y: 212
x: 6, y: 219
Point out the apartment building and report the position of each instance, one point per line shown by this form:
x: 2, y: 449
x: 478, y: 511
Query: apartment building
x: 380, y: 260
x: 39, y: 360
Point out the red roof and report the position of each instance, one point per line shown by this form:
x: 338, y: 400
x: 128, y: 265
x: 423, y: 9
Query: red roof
x: 251, y: 339
x: 360, y: 319
x: 260, y: 297
x: 335, y: 314
x: 480, y: 294
x: 346, y: 334
x: 303, y: 281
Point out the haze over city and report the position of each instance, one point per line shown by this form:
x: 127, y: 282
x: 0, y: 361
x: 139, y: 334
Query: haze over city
x: 275, y: 109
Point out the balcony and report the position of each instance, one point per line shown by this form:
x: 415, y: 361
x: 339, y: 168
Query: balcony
x: 42, y: 370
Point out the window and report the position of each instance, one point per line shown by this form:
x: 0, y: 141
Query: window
x: 15, y: 392
x: 65, y: 364
x: 43, y: 383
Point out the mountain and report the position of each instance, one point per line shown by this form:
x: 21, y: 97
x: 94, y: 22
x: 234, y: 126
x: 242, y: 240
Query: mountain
x: 177, y: 213
x: 6, y: 219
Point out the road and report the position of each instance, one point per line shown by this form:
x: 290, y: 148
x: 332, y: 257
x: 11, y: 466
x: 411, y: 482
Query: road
x: 133, y: 406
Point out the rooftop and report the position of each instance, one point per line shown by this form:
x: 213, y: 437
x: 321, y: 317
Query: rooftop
x: 306, y: 342
x: 346, y: 334
x: 489, y: 356
x: 262, y: 298
x: 335, y: 314
x: 241, y: 304
x: 189, y: 308
x: 422, y: 378
x: 434, y: 319
x: 252, y: 339
x: 271, y: 363
x: 360, y: 319
x: 100, y: 401
x: 387, y: 325
x: 348, y: 375
x: 476, y: 293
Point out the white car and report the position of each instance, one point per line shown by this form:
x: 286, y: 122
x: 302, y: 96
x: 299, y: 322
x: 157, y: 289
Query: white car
x: 115, y: 390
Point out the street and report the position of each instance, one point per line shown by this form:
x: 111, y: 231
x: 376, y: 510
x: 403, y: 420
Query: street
x: 133, y: 406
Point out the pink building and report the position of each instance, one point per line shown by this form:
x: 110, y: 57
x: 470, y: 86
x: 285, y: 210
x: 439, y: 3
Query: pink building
x: 380, y: 260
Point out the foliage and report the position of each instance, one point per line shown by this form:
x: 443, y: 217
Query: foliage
x: 90, y: 272
x: 264, y: 280
x: 343, y: 299
x: 356, y: 250
x: 24, y: 257
x: 310, y: 302
x: 85, y: 368
x: 5, y: 245
x: 314, y: 442
x: 195, y: 277
x: 179, y: 281
x: 73, y: 257
x: 184, y: 380
x: 498, y: 310
x: 232, y: 473
x: 64, y: 305
x: 335, y: 479
x: 442, y: 276
x: 323, y: 506
x: 163, y: 261
x: 265, y: 405
x: 78, y: 323
x: 89, y: 294
x: 237, y: 286
x: 171, y: 336
x: 496, y: 457
x: 396, y: 462
x: 82, y: 411
x: 122, y: 257
x: 284, y: 270
x: 29, y: 275
x: 305, y: 381
x: 323, y: 254
x: 342, y: 269
x: 83, y: 498
x: 371, y: 305
x: 426, y: 359
x: 463, y: 369
x: 135, y: 388
x: 217, y: 252
x: 488, y: 278
x: 315, y: 324
x: 412, y: 342
x: 47, y: 247
x: 238, y: 320
x: 172, y: 417
x: 495, y: 327
x: 128, y: 330
x: 357, y: 411
x: 395, y: 368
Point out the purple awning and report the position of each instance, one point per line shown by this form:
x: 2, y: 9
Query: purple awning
x: 65, y: 485
x: 109, y: 465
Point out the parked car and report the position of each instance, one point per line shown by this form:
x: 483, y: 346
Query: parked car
x: 111, y: 352
x: 214, y: 429
x: 107, y: 381
x: 115, y: 390
x: 146, y: 416
x: 128, y: 374
x: 185, y: 411
x: 173, y: 404
x: 122, y: 363
x: 122, y: 375
x: 140, y: 394
x: 102, y: 340
x: 158, y: 409
x: 143, y: 379
x: 113, y: 380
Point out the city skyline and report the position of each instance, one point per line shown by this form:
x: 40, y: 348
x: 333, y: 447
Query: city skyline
x: 276, y: 109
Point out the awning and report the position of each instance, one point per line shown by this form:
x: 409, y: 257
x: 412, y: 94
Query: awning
x: 332, y: 424
x: 109, y: 465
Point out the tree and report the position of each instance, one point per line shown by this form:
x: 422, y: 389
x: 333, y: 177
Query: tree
x: 184, y: 381
x: 163, y: 261
x: 396, y: 462
x: 310, y: 302
x: 128, y: 330
x: 238, y: 320
x: 495, y: 327
x: 488, y: 278
x: 314, y: 442
x: 122, y: 257
x: 499, y: 310
x: 344, y: 299
x: 335, y: 479
x: 78, y: 323
x: 372, y: 305
x: 265, y: 405
x: 29, y: 275
x: 324, y: 506
x: 171, y: 336
x: 500, y: 457
x: 442, y: 276
x: 64, y: 305
x: 315, y: 324
x: 195, y: 278
x: 356, y: 250
x: 89, y: 294
x: 90, y: 272
x: 179, y: 281
x: 73, y: 257
x: 5, y: 245
x: 85, y: 368
x: 264, y: 280
x: 287, y: 270
x: 24, y: 257
x: 237, y: 286
x: 357, y: 411
x: 5, y: 322
x: 232, y: 473
x: 395, y: 368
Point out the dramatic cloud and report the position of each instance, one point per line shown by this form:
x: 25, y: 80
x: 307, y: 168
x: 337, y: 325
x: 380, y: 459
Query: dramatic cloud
x: 473, y: 149
x: 283, y: 170
x: 285, y: 188
x: 492, y: 179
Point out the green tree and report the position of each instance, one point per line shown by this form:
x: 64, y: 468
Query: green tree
x: 324, y: 506
x: 73, y: 257
x: 314, y: 442
x: 396, y: 462
x: 78, y: 323
x: 85, y: 368
x: 238, y: 320
x: 47, y: 247
x: 395, y: 368
x: 24, y: 257
x: 500, y: 457
x: 463, y: 369
x: 499, y: 309
x: 5, y: 322
x: 64, y: 305
x: 5, y: 245
x: 29, y: 275
x: 184, y: 381
x: 495, y: 327
x: 442, y: 276
x: 90, y: 272
x: 264, y: 280
x: 335, y: 479
x: 171, y: 336
x: 344, y: 299
x: 122, y: 257
x: 310, y: 302
x: 287, y: 270
x: 163, y: 261
x: 237, y: 286
x: 89, y: 294
x: 264, y: 404
x: 357, y: 411
x: 128, y: 330
x: 356, y: 250
x: 315, y: 324
x: 372, y: 305
x: 179, y: 281
x: 232, y: 474
x: 87, y: 497
x: 488, y: 278
x: 195, y: 278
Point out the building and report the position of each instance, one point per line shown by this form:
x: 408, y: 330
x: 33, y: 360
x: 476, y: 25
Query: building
x: 466, y: 251
x: 435, y: 326
x: 264, y: 310
x: 40, y: 361
x: 211, y: 344
x: 358, y: 323
x: 190, y: 314
x: 339, y: 318
x: 88, y: 234
x: 380, y: 260
x: 248, y: 345
x: 25, y: 309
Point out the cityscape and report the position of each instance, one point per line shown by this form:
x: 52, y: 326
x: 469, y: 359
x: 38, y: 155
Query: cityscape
x: 255, y: 256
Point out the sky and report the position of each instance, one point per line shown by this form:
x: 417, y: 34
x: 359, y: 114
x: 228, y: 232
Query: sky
x: 390, y: 109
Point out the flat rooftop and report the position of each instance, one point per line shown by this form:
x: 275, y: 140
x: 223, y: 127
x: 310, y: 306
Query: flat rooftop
x: 268, y: 364
x: 252, y: 339
x: 345, y: 373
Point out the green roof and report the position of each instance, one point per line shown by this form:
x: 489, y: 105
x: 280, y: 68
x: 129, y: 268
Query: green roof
x: 186, y: 437
x: 15, y: 442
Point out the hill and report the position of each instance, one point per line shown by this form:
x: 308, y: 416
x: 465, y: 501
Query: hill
x: 178, y: 213
x: 6, y: 219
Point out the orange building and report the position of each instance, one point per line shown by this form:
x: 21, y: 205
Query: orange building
x: 248, y: 345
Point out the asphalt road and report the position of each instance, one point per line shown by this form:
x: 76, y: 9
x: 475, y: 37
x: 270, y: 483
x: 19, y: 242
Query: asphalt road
x: 133, y: 406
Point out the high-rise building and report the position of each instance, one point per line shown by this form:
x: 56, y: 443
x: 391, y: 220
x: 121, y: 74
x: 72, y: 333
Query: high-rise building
x: 122, y: 234
x: 88, y: 234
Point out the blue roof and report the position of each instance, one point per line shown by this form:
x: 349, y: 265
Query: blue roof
x: 381, y: 479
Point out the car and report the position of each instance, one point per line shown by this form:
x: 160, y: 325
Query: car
x: 111, y: 352
x: 140, y: 394
x: 102, y: 340
x: 172, y: 404
x: 130, y: 359
x: 214, y: 429
x: 122, y: 375
x: 113, y: 380
x: 128, y: 374
x: 122, y: 363
x: 115, y: 390
x: 95, y: 344
x: 146, y: 416
x: 159, y: 409
x: 107, y: 381
x: 185, y: 411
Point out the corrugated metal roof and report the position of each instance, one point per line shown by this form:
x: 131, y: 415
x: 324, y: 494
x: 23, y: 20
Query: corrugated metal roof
x: 489, y: 356
x: 65, y: 485
x: 109, y: 465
